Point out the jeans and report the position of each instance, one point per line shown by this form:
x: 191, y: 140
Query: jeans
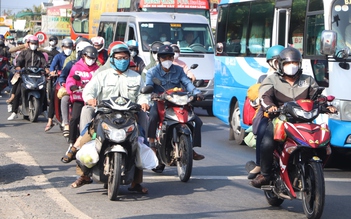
x: 260, y: 133
x: 268, y: 145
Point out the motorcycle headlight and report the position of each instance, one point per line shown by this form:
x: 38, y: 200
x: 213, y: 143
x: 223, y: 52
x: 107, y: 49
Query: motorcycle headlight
x: 116, y: 135
x: 41, y: 87
x: 344, y: 110
x: 178, y: 99
x: 304, y: 114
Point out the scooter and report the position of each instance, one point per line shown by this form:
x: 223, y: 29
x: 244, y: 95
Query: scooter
x: 32, y: 92
x: 298, y: 161
x: 174, y: 135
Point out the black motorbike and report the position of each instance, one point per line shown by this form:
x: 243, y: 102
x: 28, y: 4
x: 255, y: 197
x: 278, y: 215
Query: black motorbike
x: 32, y: 92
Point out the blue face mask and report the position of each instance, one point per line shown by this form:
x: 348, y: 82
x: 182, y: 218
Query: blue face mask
x: 120, y: 65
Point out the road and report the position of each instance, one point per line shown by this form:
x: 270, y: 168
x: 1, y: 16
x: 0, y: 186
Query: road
x: 35, y: 184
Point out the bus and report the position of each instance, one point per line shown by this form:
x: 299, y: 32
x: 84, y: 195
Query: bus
x: 86, y: 13
x: 247, y: 28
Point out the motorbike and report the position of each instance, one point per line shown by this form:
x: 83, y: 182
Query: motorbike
x: 174, y: 134
x: 303, y: 151
x: 32, y: 92
x: 3, y: 72
x: 117, y: 132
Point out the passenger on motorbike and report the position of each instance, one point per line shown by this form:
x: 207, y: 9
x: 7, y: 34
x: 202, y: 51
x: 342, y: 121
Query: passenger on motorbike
x: 99, y: 43
x: 73, y: 55
x: 117, y: 80
x: 287, y: 84
x: 57, y: 65
x: 52, y: 49
x: 134, y: 52
x: 27, y: 58
x: 182, y: 64
x: 171, y: 76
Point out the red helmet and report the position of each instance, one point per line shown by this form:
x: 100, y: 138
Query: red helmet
x: 33, y: 40
x: 112, y: 45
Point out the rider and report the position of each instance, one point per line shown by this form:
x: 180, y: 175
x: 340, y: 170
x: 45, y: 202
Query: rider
x: 52, y: 49
x: 171, y: 76
x: 153, y: 58
x: 11, y: 44
x: 287, y: 84
x: 134, y: 52
x: 4, y: 50
x: 57, y: 65
x: 116, y: 80
x: 27, y: 58
x: 182, y: 64
x: 99, y: 43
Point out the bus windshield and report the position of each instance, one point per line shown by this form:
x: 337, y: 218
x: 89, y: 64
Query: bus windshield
x: 341, y: 23
x: 191, y: 38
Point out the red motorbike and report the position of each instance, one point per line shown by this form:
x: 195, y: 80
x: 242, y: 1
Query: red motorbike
x: 174, y: 135
x: 4, y: 61
x: 298, y: 161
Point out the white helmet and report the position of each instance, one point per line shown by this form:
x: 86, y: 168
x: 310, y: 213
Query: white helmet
x: 79, y: 48
x: 98, y: 41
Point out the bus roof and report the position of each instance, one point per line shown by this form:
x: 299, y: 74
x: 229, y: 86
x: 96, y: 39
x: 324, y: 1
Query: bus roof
x: 157, y: 16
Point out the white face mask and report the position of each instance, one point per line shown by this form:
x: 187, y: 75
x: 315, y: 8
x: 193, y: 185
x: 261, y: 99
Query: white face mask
x: 176, y: 55
x: 89, y: 61
x: 163, y: 39
x: 52, y: 43
x: 133, y: 53
x: 167, y: 64
x: 67, y: 52
x: 33, y: 47
x: 290, y: 69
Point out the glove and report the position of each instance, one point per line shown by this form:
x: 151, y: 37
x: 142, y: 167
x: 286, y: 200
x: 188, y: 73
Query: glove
x: 74, y: 87
x: 199, y: 96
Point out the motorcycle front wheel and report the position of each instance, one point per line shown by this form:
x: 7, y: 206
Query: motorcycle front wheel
x: 114, y: 178
x: 185, y: 161
x: 314, y: 194
x: 33, y: 109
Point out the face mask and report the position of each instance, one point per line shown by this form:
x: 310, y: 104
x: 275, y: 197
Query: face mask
x: 163, y: 39
x: 133, y: 53
x: 155, y: 56
x: 176, y: 55
x: 89, y: 61
x: 290, y: 69
x: 52, y: 43
x: 11, y: 41
x: 121, y: 65
x: 33, y: 47
x: 167, y: 64
x: 144, y: 37
x: 67, y: 52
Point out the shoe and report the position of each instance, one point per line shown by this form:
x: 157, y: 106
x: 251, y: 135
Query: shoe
x: 254, y: 172
x: 13, y: 116
x: 9, y: 108
x: 260, y: 180
x: 81, y: 181
x: 197, y: 156
x: 70, y: 154
x: 49, y: 127
x: 159, y: 168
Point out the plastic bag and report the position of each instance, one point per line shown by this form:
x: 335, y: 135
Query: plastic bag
x: 145, y: 156
x: 88, y: 155
x: 61, y: 92
x: 279, y: 130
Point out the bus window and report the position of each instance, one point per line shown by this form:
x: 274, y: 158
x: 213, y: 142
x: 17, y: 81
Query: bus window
x: 106, y: 30
x: 121, y: 31
x: 297, y: 21
x: 315, y: 26
x: 131, y: 33
x: 78, y: 4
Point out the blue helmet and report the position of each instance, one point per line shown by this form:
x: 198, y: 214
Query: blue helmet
x: 273, y: 52
x: 119, y: 48
x: 132, y: 45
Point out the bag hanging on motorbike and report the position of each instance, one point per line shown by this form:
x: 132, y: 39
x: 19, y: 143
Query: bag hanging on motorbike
x: 279, y: 130
x: 145, y: 156
x: 61, y: 92
x: 88, y: 154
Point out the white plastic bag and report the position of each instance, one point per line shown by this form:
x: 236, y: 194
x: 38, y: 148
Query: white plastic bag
x: 145, y: 156
x: 88, y: 155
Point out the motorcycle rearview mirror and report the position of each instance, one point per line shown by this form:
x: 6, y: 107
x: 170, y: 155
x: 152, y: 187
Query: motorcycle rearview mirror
x: 193, y: 66
x: 330, y: 98
x: 147, y: 89
x: 76, y: 77
x: 199, y: 83
x: 317, y: 93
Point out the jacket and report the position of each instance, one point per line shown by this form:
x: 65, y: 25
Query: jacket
x: 28, y: 58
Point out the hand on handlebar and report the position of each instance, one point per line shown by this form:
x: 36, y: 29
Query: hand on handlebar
x: 92, y: 102
x: 272, y: 109
x: 199, y: 97
x: 332, y: 109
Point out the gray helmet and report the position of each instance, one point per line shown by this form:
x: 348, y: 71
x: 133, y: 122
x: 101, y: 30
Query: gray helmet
x: 155, y: 46
x: 67, y: 42
x: 91, y: 52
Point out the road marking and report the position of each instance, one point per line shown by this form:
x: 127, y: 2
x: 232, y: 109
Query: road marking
x: 3, y: 135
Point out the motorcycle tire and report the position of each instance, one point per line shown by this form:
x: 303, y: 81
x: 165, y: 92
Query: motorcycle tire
x: 185, y: 162
x: 273, y: 199
x: 314, y: 195
x: 114, y: 178
x: 33, y: 109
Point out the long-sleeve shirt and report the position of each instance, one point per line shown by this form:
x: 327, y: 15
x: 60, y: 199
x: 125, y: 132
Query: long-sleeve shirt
x: 57, y: 62
x: 174, y: 78
x: 85, y: 73
x: 109, y: 83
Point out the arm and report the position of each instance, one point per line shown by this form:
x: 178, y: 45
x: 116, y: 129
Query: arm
x: 70, y: 80
x: 186, y: 82
x: 54, y: 63
x: 266, y: 92
x: 64, y: 73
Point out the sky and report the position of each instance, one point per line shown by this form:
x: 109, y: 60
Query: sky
x: 18, y: 5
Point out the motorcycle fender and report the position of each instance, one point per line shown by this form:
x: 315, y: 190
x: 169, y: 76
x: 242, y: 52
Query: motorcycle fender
x: 115, y: 148
x: 35, y: 94
x: 181, y: 129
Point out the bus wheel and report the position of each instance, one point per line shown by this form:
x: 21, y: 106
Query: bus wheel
x: 236, y: 132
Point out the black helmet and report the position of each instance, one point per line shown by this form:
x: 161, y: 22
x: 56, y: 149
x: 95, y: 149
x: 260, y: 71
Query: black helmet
x: 82, y: 39
x: 53, y: 38
x: 165, y: 50
x: 155, y: 46
x: 289, y: 54
x: 91, y: 52
x: 67, y: 42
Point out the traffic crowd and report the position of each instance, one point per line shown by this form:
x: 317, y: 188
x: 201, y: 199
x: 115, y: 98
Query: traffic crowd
x: 76, y: 69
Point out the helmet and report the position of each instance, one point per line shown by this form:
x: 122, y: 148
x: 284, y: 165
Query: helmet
x: 91, y: 52
x: 112, y: 45
x: 25, y: 39
x: 54, y: 39
x: 273, y: 52
x: 165, y: 50
x: 9, y: 37
x: 80, y: 46
x: 20, y: 41
x: 289, y: 54
x: 98, y: 41
x: 155, y: 46
x: 175, y: 48
x: 33, y: 40
x: 132, y: 45
x: 67, y: 42
x: 82, y: 39
x: 2, y: 40
x: 122, y: 47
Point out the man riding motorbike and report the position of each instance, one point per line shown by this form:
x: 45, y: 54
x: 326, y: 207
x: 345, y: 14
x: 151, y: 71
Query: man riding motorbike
x: 287, y: 84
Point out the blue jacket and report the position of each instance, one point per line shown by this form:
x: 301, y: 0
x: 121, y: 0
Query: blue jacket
x: 65, y: 72
x: 174, y: 78
x: 57, y: 62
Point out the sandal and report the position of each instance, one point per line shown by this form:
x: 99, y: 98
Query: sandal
x: 65, y: 133
x: 70, y: 155
x: 138, y: 188
x: 49, y: 127
x: 82, y: 180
